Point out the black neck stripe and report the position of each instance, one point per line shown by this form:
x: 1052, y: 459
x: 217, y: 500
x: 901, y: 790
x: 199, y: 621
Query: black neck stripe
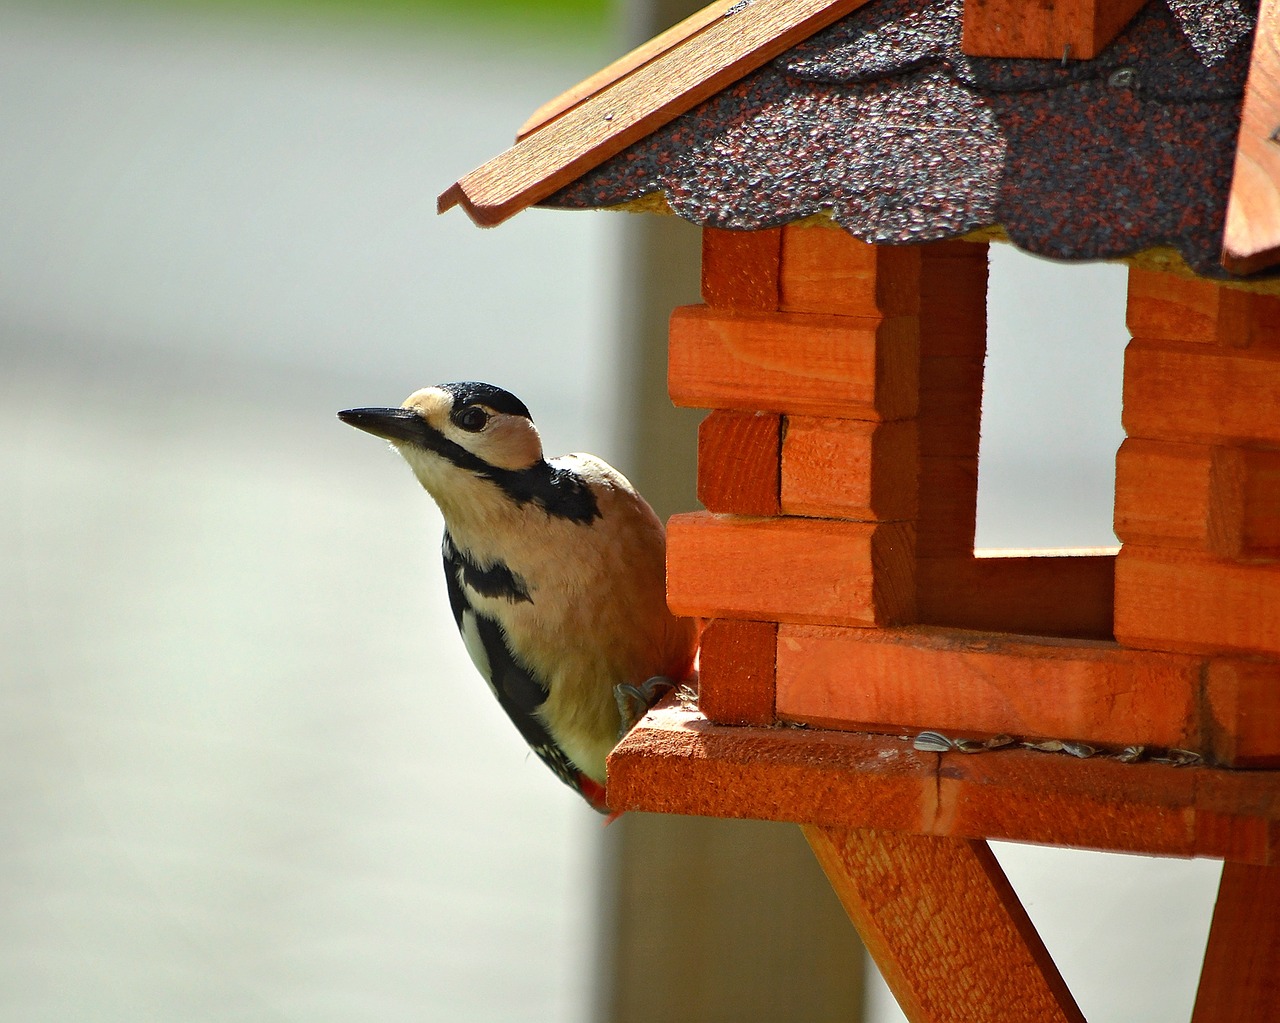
x: 558, y: 492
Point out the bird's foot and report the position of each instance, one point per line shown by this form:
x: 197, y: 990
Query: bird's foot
x: 634, y: 701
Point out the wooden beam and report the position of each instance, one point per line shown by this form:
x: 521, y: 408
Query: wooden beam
x: 740, y: 269
x: 741, y: 39
x: 1242, y: 711
x: 849, y: 469
x: 736, y: 672
x: 675, y: 761
x: 944, y: 925
x: 1064, y: 29
x: 789, y: 569
x: 739, y: 462
x: 1251, y: 240
x: 1069, y: 595
x: 979, y: 684
x: 1198, y: 394
x: 827, y: 270
x: 1184, y: 600
x: 853, y: 367
x: 1240, y: 981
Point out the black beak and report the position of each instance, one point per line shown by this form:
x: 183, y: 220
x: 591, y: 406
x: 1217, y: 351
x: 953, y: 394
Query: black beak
x: 393, y: 424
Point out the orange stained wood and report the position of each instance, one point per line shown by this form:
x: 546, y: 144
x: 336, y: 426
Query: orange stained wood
x: 982, y: 684
x: 1176, y: 307
x: 853, y: 367
x: 1064, y: 29
x: 789, y: 569
x: 1192, y: 393
x: 824, y: 269
x: 1069, y: 596
x: 675, y: 761
x: 1239, y: 981
x: 944, y: 925
x: 739, y: 457
x: 1242, y: 711
x: 1217, y: 499
x: 850, y: 469
x: 1251, y: 240
x: 736, y: 672
x: 738, y: 40
x: 1185, y: 600
x: 740, y: 268
x: 1179, y: 495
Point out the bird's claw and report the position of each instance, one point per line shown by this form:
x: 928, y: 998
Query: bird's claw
x: 634, y: 701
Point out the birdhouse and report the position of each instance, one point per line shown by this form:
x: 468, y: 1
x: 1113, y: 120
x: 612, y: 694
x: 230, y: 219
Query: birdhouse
x: 849, y: 163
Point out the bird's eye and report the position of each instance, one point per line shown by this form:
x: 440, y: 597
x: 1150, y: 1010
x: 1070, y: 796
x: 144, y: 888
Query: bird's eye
x: 473, y: 419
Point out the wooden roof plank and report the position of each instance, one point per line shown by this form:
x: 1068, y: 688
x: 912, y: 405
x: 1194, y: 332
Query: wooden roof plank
x: 645, y: 53
x: 1251, y: 241
x: 741, y: 39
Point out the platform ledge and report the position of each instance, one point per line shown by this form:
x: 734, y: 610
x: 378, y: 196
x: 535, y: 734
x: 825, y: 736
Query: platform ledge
x: 676, y: 761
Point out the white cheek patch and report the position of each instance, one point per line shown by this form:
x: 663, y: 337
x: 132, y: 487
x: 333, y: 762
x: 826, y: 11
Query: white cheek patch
x: 470, y: 630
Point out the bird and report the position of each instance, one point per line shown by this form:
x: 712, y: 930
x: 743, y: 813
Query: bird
x: 555, y: 570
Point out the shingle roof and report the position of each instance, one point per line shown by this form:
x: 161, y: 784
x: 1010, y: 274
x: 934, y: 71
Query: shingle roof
x: 881, y: 121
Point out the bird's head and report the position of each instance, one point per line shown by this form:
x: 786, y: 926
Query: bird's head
x: 468, y: 427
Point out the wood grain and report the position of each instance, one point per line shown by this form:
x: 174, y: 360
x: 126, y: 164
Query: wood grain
x: 739, y: 462
x: 1242, y: 711
x: 740, y: 269
x: 1180, y: 495
x: 826, y: 270
x: 1065, y: 29
x: 1251, y: 240
x: 736, y: 672
x: 977, y: 684
x: 675, y: 761
x: 1191, y: 393
x: 944, y: 925
x: 741, y: 39
x: 1184, y: 600
x: 845, y: 366
x: 789, y: 569
x: 849, y: 469
x: 1240, y: 980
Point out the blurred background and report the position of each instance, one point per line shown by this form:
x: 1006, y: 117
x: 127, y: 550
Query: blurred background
x: 247, y: 772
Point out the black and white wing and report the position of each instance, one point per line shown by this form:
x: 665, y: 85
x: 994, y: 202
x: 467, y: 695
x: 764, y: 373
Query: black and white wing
x: 519, y: 691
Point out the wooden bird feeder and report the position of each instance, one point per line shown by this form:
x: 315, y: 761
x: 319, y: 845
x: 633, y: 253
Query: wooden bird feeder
x: 849, y: 160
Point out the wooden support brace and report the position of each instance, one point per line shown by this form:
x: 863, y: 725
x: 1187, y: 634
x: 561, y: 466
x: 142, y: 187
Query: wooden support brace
x: 944, y: 925
x: 789, y: 569
x: 846, y: 366
x: 1240, y: 980
x: 1074, y: 29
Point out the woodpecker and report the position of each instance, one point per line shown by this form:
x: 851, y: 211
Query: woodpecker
x: 555, y: 571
